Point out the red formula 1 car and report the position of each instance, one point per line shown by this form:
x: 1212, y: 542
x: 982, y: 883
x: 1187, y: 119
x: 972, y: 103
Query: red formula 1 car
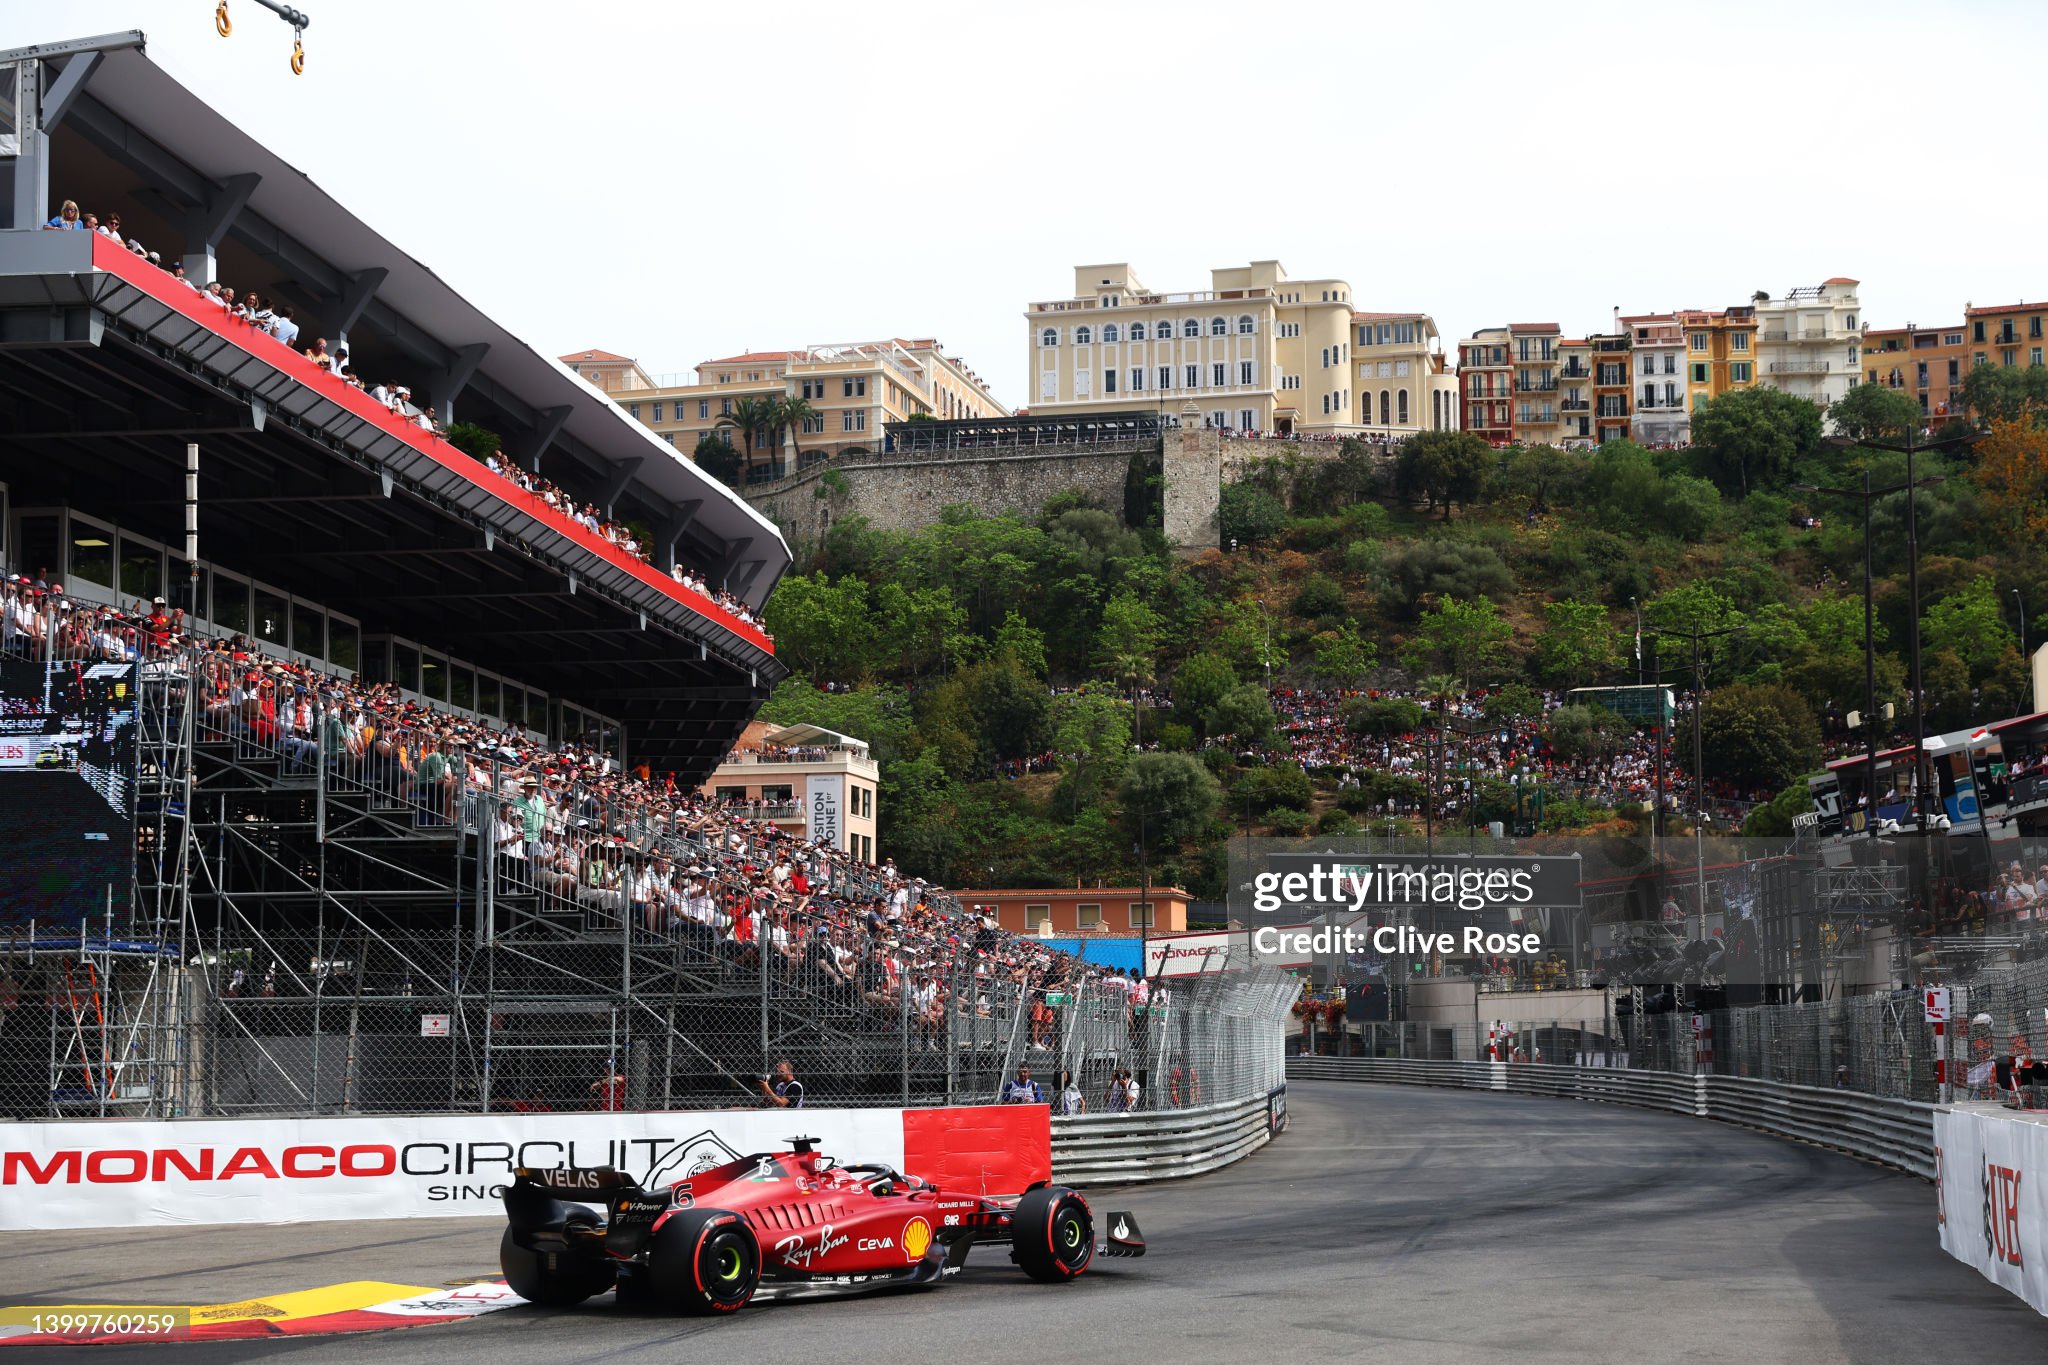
x: 777, y: 1225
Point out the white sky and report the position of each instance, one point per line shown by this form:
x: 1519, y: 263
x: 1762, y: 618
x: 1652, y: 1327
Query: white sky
x: 678, y: 181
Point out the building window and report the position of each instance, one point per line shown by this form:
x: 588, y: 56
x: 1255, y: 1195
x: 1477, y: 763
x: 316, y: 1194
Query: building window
x: 1049, y: 337
x: 657, y: 412
x: 1246, y: 419
x: 853, y: 421
x: 1699, y: 341
x: 703, y: 409
x: 1109, y: 381
x: 1699, y: 373
x: 1738, y: 371
x: 1138, y: 379
x: 1137, y: 331
x: 1245, y: 368
x: 1141, y: 914
x: 1326, y: 405
x: 1326, y: 357
x: 1244, y: 325
x: 1218, y: 328
x: 1082, y: 336
x: 1193, y: 374
x: 1218, y: 375
x: 1109, y: 334
x: 1166, y: 376
x: 1738, y: 341
x: 1088, y: 916
x: 855, y: 387
x: 2034, y: 357
x: 814, y: 425
x: 669, y: 436
x: 634, y: 408
x: 1036, y: 916
x: 1401, y: 407
x: 1670, y: 362
x: 725, y: 407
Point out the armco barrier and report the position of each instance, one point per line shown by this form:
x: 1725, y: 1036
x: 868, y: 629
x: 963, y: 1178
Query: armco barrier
x: 1898, y: 1133
x: 1129, y: 1149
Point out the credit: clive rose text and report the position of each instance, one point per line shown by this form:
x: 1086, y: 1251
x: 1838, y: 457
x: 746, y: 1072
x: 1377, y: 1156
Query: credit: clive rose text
x: 1392, y: 939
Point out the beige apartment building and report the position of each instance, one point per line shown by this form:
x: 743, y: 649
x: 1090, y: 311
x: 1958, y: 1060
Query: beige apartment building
x: 809, y: 782
x: 1403, y: 381
x: 1256, y: 351
x: 854, y: 390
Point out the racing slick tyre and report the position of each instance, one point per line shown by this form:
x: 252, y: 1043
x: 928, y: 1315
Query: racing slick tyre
x: 1052, y: 1234
x: 569, y: 1280
x: 704, y: 1261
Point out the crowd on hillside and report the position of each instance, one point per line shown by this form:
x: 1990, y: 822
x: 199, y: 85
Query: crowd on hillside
x: 278, y: 321
x: 1463, y: 745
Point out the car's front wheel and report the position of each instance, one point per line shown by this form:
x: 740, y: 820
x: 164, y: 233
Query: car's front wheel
x: 1052, y: 1234
x: 704, y: 1261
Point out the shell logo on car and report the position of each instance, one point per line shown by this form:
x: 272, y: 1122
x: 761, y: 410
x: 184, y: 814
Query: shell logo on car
x: 917, y: 1238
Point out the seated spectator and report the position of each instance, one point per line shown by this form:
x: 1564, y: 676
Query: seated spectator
x: 66, y: 219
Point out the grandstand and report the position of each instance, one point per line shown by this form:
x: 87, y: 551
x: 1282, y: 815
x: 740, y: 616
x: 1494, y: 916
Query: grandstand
x: 418, y: 729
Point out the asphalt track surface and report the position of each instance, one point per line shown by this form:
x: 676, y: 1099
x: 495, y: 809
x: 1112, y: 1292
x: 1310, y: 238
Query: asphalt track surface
x: 1389, y: 1224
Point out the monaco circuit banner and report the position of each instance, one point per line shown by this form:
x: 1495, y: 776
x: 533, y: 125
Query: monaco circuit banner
x: 154, y: 1174
x: 1990, y: 1165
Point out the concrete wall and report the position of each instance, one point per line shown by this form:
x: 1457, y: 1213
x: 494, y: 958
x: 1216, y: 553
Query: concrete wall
x: 906, y: 492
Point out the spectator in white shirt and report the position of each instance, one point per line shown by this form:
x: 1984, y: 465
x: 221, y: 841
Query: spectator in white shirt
x: 284, y: 328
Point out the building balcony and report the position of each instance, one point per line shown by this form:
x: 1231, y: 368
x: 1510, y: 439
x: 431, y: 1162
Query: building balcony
x: 1798, y: 367
x: 1576, y: 405
x: 1575, y: 372
x: 1776, y: 334
x: 1533, y: 385
x: 1611, y: 345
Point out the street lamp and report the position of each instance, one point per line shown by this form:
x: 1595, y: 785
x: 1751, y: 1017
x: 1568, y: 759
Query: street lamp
x: 2022, y: 600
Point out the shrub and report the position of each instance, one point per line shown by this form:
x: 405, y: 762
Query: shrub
x: 1445, y: 568
x: 1287, y: 820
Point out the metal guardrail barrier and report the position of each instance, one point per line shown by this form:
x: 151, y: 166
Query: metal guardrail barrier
x: 1892, y: 1132
x: 1129, y: 1149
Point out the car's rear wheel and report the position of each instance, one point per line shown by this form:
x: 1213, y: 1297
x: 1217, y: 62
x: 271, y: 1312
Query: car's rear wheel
x: 553, y: 1279
x: 704, y: 1261
x: 1052, y: 1234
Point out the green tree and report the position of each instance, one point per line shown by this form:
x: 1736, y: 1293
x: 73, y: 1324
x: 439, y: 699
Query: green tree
x: 477, y: 442
x: 1543, y: 472
x: 1200, y: 683
x: 2007, y: 393
x: 1876, y: 413
x: 1465, y: 638
x: 1586, y: 732
x: 1752, y: 436
x: 1091, y: 731
x: 821, y: 627
x: 1127, y: 644
x: 1758, y: 736
x: 1445, y: 568
x: 1773, y: 819
x: 1971, y: 623
x: 1246, y: 637
x: 716, y: 457
x: 1343, y: 656
x: 1022, y: 641
x: 1245, y: 712
x: 1380, y: 715
x: 789, y: 415
x: 1514, y: 702
x: 750, y: 417
x: 1577, y: 644
x: 1172, y: 795
x: 1318, y: 595
x: 1248, y: 514
x: 1446, y: 467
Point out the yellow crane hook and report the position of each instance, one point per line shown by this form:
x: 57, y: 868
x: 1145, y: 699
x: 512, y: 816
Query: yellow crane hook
x: 221, y: 22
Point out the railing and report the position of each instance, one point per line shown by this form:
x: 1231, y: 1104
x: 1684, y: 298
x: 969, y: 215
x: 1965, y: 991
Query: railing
x: 1897, y: 1133
x: 1535, y: 386
x: 824, y: 753
x: 1776, y: 334
x: 1575, y: 372
x: 1815, y: 333
x: 1128, y: 1149
x: 1576, y: 405
x: 1799, y: 367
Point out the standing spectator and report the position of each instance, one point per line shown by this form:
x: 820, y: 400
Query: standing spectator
x: 1072, y: 1101
x: 1022, y: 1090
x: 781, y: 1088
x: 285, y: 329
x: 610, y: 1090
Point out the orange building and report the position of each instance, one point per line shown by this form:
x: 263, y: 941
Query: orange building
x: 1102, y: 911
x: 2006, y: 335
x: 1928, y: 362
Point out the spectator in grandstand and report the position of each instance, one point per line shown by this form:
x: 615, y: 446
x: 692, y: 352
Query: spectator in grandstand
x: 284, y: 327
x: 318, y: 353
x: 1022, y: 1090
x: 781, y: 1088
x: 610, y: 1090
x: 66, y: 219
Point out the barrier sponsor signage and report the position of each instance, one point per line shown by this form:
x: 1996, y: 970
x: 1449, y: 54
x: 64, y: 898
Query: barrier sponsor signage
x: 145, y: 1174
x: 1191, y: 954
x: 1276, y: 1110
x: 1992, y: 1207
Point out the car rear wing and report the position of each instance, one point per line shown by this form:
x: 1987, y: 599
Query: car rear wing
x: 590, y: 1183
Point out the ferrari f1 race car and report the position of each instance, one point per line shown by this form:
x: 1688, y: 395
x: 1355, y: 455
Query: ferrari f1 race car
x: 777, y: 1225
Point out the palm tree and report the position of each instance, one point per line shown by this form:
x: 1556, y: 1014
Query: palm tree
x: 793, y: 413
x: 749, y: 416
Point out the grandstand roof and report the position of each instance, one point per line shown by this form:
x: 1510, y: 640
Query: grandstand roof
x: 145, y: 120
